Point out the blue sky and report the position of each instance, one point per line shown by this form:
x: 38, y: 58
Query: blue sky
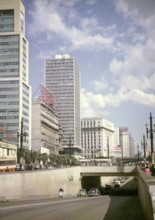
x: 113, y: 42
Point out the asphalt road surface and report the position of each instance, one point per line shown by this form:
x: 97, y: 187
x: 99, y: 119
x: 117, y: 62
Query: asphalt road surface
x: 94, y: 208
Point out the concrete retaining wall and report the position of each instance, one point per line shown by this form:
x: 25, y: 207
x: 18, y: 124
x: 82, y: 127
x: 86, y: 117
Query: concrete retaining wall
x: 20, y: 185
x: 146, y: 193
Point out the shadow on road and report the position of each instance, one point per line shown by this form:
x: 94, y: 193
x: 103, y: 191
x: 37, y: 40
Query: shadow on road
x: 125, y: 203
x: 124, y: 208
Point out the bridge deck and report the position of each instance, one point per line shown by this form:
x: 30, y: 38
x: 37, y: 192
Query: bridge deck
x: 109, y: 171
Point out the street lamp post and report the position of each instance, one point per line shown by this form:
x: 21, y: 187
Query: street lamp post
x: 144, y: 144
x: 108, y: 147
x: 138, y: 151
x: 21, y: 135
x: 70, y: 148
x: 151, y: 135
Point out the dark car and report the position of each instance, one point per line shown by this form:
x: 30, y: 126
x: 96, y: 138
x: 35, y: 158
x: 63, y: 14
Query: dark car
x: 82, y: 192
x: 94, y: 192
x: 108, y: 188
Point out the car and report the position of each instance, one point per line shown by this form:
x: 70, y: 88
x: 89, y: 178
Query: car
x: 82, y: 192
x: 19, y: 167
x: 37, y: 167
x: 108, y: 188
x: 117, y: 184
x: 94, y: 192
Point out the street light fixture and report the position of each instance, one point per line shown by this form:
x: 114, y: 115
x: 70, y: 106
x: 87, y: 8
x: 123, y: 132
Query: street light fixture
x: 21, y: 135
x: 151, y: 130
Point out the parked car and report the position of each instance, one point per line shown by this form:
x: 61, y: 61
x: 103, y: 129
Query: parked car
x: 94, y: 192
x: 117, y: 184
x: 37, y: 167
x: 18, y: 168
x: 82, y: 192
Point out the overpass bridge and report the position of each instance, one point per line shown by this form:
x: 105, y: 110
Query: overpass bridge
x: 108, y: 171
x: 125, y: 160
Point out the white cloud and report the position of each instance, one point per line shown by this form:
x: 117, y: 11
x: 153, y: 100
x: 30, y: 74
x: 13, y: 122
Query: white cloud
x: 140, y: 97
x: 100, y: 85
x: 97, y: 102
x: 135, y: 69
x: 116, y: 66
x: 140, y: 12
x: 132, y: 65
x: 48, y: 19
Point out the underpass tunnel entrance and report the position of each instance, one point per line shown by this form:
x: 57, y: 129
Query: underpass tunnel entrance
x: 88, y: 182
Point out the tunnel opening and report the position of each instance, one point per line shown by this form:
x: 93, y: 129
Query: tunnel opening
x: 130, y: 188
x: 88, y: 182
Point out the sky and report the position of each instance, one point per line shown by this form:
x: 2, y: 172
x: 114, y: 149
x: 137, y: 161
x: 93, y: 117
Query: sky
x: 113, y: 42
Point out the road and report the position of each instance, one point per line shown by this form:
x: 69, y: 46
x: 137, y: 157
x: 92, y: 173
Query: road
x: 94, y: 208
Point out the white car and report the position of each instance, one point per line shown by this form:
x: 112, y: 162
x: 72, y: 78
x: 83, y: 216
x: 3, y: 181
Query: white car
x: 82, y: 192
x: 117, y: 184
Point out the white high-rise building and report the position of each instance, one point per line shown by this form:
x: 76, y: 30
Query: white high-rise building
x: 117, y: 151
x: 15, y: 91
x: 124, y: 141
x: 97, y: 137
x: 62, y: 78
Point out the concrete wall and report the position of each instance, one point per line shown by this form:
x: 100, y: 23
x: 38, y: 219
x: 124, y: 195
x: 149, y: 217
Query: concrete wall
x: 25, y: 184
x: 146, y: 193
x: 20, y: 185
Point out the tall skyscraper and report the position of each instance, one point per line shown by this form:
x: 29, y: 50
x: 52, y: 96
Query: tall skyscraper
x: 15, y: 91
x: 62, y: 78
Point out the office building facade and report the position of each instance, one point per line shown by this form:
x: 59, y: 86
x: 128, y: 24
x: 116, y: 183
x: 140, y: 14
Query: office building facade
x: 125, y: 141
x: 62, y: 78
x: 45, y: 128
x: 97, y: 137
x: 15, y: 91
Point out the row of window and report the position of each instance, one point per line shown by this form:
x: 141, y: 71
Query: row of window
x: 4, y: 50
x: 9, y: 117
x: 6, y: 27
x: 8, y: 111
x: 9, y: 70
x: 9, y: 96
x: 9, y: 82
x: 9, y: 63
x: 7, y: 13
x: 9, y: 43
x: 9, y: 89
x: 6, y: 57
x: 9, y: 38
x: 10, y: 103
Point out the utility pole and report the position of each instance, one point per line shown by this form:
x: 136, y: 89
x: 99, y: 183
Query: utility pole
x: 151, y: 136
x: 144, y: 144
x: 138, y: 151
x: 70, y: 148
x: 108, y: 147
x: 21, y: 134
